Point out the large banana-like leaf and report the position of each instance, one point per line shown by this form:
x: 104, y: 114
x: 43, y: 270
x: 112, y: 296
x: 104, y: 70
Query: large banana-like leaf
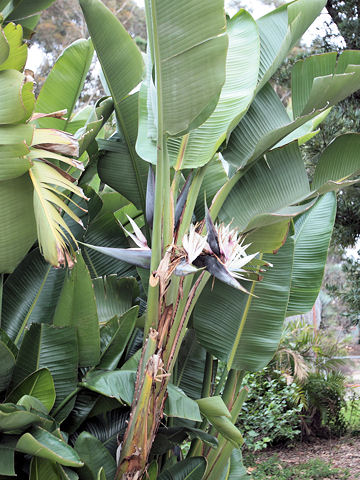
x: 114, y: 296
x: 267, y: 192
x: 116, y: 50
x: 39, y: 385
x: 45, y: 346
x: 264, y: 125
x: 53, y: 233
x: 242, y: 64
x: 312, y: 237
x: 280, y: 30
x: 76, y: 307
x: 13, y: 161
x: 180, y: 405
x: 317, y: 84
x: 215, y: 177
x: 24, y: 8
x: 94, y: 455
x: 191, y: 365
x: 189, y: 469
x: 30, y: 294
x: 319, y: 81
x: 64, y: 83
x: 337, y: 163
x: 190, y: 68
x: 43, y: 444
x: 115, y: 336
x: 105, y: 231
x: 17, y: 220
x: 119, y: 166
x: 245, y: 334
x: 41, y: 468
x: 235, y: 469
x: 7, y: 364
x: 7, y: 457
x: 17, y: 98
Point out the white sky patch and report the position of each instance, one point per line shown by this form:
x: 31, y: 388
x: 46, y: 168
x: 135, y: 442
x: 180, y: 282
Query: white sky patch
x: 35, y: 58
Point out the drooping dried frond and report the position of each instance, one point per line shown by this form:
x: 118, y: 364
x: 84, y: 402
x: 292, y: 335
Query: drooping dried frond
x: 54, y: 235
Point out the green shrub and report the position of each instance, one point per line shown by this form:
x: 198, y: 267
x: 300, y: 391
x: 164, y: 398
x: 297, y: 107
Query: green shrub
x: 325, y: 394
x: 271, y: 413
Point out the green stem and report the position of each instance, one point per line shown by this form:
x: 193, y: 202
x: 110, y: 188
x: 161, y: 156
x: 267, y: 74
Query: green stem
x: 205, y: 392
x: 221, y: 382
x: 160, y: 237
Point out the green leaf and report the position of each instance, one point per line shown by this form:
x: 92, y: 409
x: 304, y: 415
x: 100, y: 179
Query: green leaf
x: 4, y: 47
x: 95, y: 456
x: 213, y: 407
x: 25, y: 8
x: 39, y: 385
x: 189, y: 469
x: 190, y: 66
x: 64, y: 83
x: 190, y: 366
x: 268, y: 191
x: 180, y: 405
x: 18, y: 49
x: 168, y: 437
x: 116, y: 50
x: 215, y: 177
x: 265, y: 124
x: 45, y: 346
x: 108, y: 425
x: 246, y: 334
x: 7, y: 364
x: 43, y: 444
x: 42, y: 469
x: 30, y: 294
x: 114, y: 296
x: 16, y: 418
x: 236, y: 94
x: 77, y: 308
x: 17, y: 98
x: 120, y: 331
x: 268, y: 239
x: 105, y: 231
x: 100, y: 114
x: 280, y: 30
x: 312, y: 237
x: 118, y: 384
x: 32, y: 404
x: 119, y: 166
x: 235, y: 469
x: 13, y: 161
x: 337, y: 163
x: 317, y: 81
x: 7, y: 457
x: 17, y: 220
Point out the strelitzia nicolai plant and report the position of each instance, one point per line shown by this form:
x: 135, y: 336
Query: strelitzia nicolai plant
x: 216, y: 288
x: 207, y: 88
